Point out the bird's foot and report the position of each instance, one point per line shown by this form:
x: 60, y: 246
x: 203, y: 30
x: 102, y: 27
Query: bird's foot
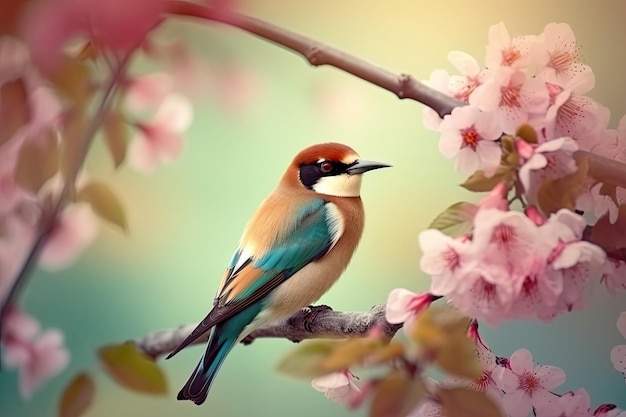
x: 311, y: 313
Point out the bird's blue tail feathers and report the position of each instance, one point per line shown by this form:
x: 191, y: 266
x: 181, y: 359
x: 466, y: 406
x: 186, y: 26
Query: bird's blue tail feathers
x: 197, y: 387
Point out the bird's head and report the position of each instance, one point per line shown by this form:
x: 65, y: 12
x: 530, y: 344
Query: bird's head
x: 331, y: 168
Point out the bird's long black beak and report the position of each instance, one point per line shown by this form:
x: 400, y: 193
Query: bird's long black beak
x: 361, y: 166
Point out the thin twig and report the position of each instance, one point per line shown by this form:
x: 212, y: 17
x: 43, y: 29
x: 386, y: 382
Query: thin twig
x: 48, y: 219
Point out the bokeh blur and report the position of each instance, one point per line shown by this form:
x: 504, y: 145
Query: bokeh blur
x: 263, y: 104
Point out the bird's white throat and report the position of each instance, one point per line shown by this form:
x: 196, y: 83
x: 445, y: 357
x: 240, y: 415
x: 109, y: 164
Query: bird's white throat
x: 342, y: 185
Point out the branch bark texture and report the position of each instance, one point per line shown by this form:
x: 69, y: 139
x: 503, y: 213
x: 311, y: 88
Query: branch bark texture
x: 308, y: 323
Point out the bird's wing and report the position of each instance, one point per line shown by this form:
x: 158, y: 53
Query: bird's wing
x: 251, y: 278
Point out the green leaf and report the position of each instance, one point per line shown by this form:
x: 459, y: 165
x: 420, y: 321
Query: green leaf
x: 527, y: 133
x: 479, y: 182
x: 116, y: 137
x: 132, y: 369
x: 77, y: 396
x: 14, y: 108
x: 558, y: 193
x: 397, y: 395
x: 104, y: 203
x: 456, y: 220
x: 464, y: 402
x: 307, y: 359
x: 37, y: 163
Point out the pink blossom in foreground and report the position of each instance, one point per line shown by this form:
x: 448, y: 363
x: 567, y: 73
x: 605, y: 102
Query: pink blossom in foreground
x: 468, y: 136
x: 339, y: 387
x: 148, y: 90
x: 75, y: 230
x: 50, y: 24
x: 462, y: 86
x: 403, y: 305
x: 161, y: 139
x: 618, y: 353
x: 576, y: 404
x: 527, y: 386
x: 614, y: 275
x: 37, y: 356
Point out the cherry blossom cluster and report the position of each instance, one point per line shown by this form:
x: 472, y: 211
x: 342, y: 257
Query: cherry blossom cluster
x: 538, y: 80
x: 513, y: 265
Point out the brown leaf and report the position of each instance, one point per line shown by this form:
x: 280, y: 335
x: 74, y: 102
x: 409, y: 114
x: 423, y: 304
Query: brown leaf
x: 527, y: 133
x: 558, y: 193
x: 397, y: 395
x: 609, y: 236
x: 307, y: 359
x: 73, y: 80
x: 104, y: 203
x: 116, y: 137
x: 351, y: 352
x: 132, y: 369
x: 437, y: 326
x: 37, y: 163
x: 77, y: 396
x: 610, y: 190
x: 478, y: 182
x: 14, y: 108
x: 456, y: 220
x: 458, y: 356
x: 464, y: 402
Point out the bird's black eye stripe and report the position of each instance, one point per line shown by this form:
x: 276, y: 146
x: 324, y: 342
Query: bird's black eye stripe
x: 311, y: 173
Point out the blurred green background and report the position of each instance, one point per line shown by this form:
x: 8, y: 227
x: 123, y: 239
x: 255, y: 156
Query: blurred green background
x: 186, y: 219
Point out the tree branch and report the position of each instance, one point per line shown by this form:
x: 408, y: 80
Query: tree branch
x: 308, y: 323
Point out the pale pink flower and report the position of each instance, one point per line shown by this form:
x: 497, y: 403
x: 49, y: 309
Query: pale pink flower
x: 558, y: 57
x: 161, y: 139
x: 51, y: 23
x: 404, y: 305
x: 550, y: 160
x: 513, y: 96
x: 504, y: 51
x: 618, y: 353
x: 468, y: 135
x: 571, y: 113
x: 148, y: 90
x: 37, y: 358
x: 609, y: 410
x: 462, y: 86
x: 527, y: 386
x: 598, y: 204
x: 75, y: 230
x: 614, y: 275
x: 576, y: 404
x: 445, y: 259
x: 338, y: 387
x: 482, y: 299
x: 496, y: 198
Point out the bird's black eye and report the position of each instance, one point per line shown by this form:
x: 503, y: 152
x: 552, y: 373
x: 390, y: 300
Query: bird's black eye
x: 326, y: 167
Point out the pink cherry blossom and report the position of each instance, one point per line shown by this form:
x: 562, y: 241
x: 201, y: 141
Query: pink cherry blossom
x: 496, y: 198
x: 527, y: 386
x: 447, y: 260
x: 37, y: 358
x: 148, y: 90
x: 571, y: 113
x: 513, y: 96
x: 576, y: 404
x: 609, y: 410
x: 339, y: 387
x: 614, y: 275
x: 502, y: 50
x: 550, y: 160
x: 559, y: 58
x: 50, y: 24
x: 462, y: 86
x: 468, y: 135
x: 404, y: 305
x: 161, y: 140
x: 440, y: 81
x: 76, y: 229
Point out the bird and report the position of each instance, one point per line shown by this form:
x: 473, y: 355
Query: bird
x: 293, y: 249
